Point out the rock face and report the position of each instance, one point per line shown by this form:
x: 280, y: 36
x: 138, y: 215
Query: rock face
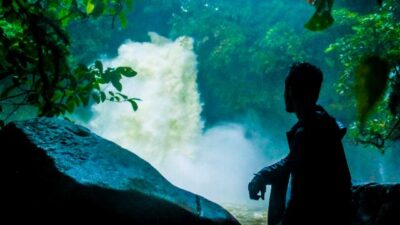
x: 58, y: 172
x: 376, y: 204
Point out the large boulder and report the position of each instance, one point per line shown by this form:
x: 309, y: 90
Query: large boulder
x: 376, y: 204
x: 58, y: 172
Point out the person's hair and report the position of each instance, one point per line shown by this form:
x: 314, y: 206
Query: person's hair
x: 305, y: 81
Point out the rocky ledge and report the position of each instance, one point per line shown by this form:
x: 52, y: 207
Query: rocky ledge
x: 376, y: 204
x: 58, y: 172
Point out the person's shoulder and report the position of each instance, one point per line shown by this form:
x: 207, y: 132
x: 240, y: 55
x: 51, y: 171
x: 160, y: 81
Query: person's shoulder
x: 297, y: 131
x: 322, y: 118
x: 297, y: 128
x: 325, y: 123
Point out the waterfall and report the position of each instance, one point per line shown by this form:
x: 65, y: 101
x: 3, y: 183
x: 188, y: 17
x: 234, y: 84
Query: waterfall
x: 168, y: 119
x: 167, y: 130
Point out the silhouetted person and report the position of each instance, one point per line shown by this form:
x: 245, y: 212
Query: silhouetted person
x: 319, y: 190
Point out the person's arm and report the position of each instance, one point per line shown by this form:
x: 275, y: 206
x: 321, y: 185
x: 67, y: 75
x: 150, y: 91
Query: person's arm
x: 277, y: 171
x: 271, y: 173
x: 267, y: 176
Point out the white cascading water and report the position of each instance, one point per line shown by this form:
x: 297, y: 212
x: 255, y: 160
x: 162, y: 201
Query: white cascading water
x: 168, y: 115
x: 167, y: 129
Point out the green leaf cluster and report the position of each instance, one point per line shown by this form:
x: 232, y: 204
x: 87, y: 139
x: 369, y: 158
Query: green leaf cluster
x: 370, y: 56
x: 322, y: 18
x: 244, y: 54
x: 35, y: 69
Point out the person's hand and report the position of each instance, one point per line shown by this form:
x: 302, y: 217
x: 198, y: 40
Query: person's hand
x: 256, y: 185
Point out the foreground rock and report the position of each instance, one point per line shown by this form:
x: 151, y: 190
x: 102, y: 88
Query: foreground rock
x: 376, y: 204
x: 57, y: 172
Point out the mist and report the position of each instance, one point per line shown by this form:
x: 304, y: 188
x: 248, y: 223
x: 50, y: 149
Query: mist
x: 168, y: 131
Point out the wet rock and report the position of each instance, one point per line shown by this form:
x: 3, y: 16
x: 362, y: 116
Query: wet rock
x: 376, y: 204
x: 58, y: 172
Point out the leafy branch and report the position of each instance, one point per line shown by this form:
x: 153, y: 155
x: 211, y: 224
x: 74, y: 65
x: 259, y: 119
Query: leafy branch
x: 34, y: 51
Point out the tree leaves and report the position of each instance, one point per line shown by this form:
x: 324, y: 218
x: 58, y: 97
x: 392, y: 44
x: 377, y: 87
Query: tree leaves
x: 98, y: 65
x: 371, y: 78
x: 114, y: 75
x: 123, y: 19
x: 133, y: 104
x: 119, y: 97
x: 89, y: 7
x: 102, y: 96
x: 99, y: 8
x: 374, y: 34
x: 126, y: 71
x: 35, y: 68
x: 96, y: 97
x: 117, y: 84
x: 322, y: 18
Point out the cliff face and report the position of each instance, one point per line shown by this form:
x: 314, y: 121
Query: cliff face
x: 60, y: 172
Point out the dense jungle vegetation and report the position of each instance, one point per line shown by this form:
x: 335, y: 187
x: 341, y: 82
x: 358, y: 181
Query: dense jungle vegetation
x: 49, y: 51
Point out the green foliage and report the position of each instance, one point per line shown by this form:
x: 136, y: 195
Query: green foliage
x: 379, y: 130
x: 277, y: 46
x: 34, y: 51
x: 322, y: 18
x: 245, y: 54
x: 94, y: 37
x: 377, y: 35
x: 371, y: 78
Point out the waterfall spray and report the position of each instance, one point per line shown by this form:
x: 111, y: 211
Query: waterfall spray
x: 167, y: 130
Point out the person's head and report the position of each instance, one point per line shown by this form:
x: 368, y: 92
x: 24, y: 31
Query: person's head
x: 302, y: 86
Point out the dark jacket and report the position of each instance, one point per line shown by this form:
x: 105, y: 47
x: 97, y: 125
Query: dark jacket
x: 320, y: 180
